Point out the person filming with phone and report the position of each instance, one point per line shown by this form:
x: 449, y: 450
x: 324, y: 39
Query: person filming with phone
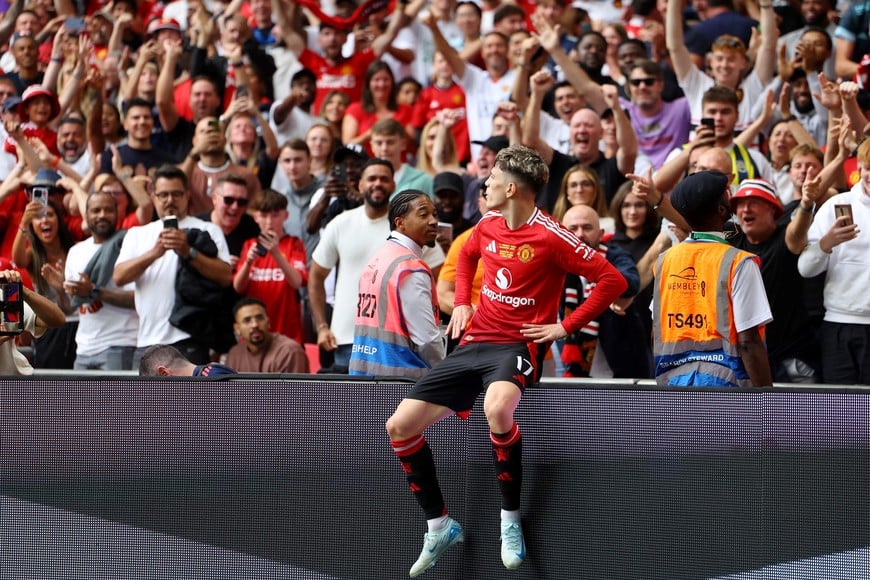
x: 34, y: 314
x: 152, y: 256
x: 838, y: 248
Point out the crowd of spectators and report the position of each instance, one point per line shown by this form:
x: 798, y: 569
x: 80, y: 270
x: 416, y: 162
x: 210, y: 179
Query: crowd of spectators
x: 162, y: 162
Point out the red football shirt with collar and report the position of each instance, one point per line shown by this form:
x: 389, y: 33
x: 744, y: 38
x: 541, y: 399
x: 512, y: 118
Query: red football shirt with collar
x: 524, y: 276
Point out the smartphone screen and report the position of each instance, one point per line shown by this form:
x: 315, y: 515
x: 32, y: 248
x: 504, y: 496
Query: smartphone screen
x: 170, y: 222
x: 40, y: 194
x: 11, y: 309
x: 841, y: 210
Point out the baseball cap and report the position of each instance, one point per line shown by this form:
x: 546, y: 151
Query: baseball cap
x: 46, y: 178
x: 447, y: 180
x: 495, y: 143
x: 159, y: 24
x: 759, y: 189
x: 350, y: 150
x: 699, y: 193
x: 11, y: 103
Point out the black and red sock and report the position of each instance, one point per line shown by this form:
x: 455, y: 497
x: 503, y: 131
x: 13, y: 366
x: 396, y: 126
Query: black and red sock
x: 419, y: 467
x: 507, y: 457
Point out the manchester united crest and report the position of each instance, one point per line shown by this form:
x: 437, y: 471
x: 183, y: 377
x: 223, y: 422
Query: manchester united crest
x: 525, y: 253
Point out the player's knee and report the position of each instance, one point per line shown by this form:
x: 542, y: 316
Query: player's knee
x: 498, y: 411
x: 397, y: 428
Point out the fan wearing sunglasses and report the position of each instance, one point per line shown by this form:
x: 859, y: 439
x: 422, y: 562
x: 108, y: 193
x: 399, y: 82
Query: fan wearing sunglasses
x: 231, y: 195
x: 207, y: 162
x: 659, y: 126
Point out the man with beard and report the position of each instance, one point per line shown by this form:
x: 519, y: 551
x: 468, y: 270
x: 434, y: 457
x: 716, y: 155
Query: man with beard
x: 815, y: 15
x: 151, y: 257
x: 207, y: 162
x: 449, y: 201
x: 73, y: 144
x: 260, y: 350
x: 590, y: 54
x: 106, y: 337
x: 351, y: 239
x: 803, y: 105
x: 397, y: 331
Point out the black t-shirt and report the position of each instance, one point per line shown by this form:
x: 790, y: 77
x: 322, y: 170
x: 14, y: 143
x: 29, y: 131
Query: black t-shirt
x: 246, y: 230
x: 181, y: 138
x: 785, y: 289
x: 607, y: 169
x: 149, y: 159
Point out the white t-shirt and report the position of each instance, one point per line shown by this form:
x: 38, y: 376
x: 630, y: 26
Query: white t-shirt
x: 155, y: 288
x: 101, y: 325
x: 295, y: 125
x: 556, y: 133
x: 697, y: 83
x: 482, y: 96
x: 354, y: 238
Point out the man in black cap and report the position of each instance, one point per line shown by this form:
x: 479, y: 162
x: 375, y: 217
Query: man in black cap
x: 449, y: 201
x: 709, y: 305
x: 341, y: 189
x: 485, y: 162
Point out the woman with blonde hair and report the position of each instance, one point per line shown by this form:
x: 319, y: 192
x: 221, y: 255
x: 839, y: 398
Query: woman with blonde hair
x: 580, y: 186
x: 437, y: 150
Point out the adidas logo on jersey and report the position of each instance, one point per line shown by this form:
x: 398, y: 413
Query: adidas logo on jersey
x: 491, y: 247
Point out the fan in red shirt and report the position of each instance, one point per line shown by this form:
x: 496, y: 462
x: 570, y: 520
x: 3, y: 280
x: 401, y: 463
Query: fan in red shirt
x: 333, y: 71
x: 526, y: 256
x: 444, y: 94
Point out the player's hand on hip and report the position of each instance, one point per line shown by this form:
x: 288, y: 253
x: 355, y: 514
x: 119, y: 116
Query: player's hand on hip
x: 544, y: 332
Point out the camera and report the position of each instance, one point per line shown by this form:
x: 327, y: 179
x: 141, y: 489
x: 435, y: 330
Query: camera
x: 11, y: 308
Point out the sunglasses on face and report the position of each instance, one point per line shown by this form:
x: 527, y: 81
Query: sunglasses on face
x: 235, y: 200
x: 647, y: 82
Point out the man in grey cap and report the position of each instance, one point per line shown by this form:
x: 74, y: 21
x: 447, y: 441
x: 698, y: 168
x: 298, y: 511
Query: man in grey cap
x: 709, y: 305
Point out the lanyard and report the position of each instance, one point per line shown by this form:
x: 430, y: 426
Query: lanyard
x: 708, y: 237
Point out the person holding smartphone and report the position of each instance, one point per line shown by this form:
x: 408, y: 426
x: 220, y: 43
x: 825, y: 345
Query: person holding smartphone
x: 273, y: 266
x: 837, y: 247
x: 152, y: 255
x: 39, y: 314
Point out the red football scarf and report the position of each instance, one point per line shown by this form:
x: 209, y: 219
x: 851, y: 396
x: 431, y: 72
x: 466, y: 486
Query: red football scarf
x: 347, y: 24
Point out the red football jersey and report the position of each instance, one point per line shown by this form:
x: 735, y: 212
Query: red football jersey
x: 269, y: 284
x: 524, y: 277
x: 346, y: 77
x: 431, y: 100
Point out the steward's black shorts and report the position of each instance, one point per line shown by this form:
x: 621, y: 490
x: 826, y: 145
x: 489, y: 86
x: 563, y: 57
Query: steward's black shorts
x: 456, y: 381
